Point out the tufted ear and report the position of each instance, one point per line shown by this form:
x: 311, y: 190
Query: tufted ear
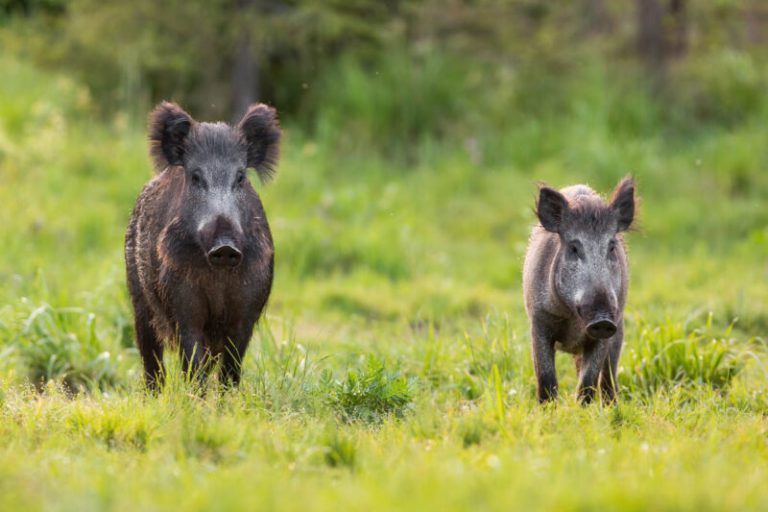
x: 551, y: 208
x: 623, y: 203
x: 260, y: 131
x: 168, y: 128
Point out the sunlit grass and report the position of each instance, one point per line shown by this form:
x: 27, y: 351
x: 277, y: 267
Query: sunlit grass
x: 393, y: 369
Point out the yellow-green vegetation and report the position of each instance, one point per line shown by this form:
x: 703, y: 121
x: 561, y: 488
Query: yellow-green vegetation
x: 393, y: 369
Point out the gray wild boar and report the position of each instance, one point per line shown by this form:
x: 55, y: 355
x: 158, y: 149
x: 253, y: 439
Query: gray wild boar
x: 575, y: 282
x: 198, y: 249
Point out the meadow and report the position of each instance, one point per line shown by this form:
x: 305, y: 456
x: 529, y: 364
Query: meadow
x: 393, y: 369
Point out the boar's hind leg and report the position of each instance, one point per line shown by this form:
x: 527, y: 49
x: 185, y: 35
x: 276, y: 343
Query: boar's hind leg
x: 544, y: 364
x: 592, y: 362
x: 577, y: 360
x: 609, y: 386
x: 150, y: 347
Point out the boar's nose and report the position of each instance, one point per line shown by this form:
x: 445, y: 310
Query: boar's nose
x: 225, y: 254
x: 601, y: 329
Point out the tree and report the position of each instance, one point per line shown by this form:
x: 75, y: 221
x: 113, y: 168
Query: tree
x: 661, y: 33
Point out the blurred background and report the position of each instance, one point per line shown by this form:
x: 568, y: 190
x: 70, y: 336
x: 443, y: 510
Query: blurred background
x: 396, y: 75
x: 415, y: 135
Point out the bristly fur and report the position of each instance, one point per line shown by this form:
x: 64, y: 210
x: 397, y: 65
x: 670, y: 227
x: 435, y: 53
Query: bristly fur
x: 575, y: 280
x: 590, y: 213
x: 168, y: 126
x: 260, y: 131
x: 217, y: 139
x: 197, y: 203
x: 580, y: 205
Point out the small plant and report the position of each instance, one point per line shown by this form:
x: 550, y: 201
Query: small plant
x: 369, y: 394
x: 667, y: 356
x: 283, y: 368
x: 340, y: 451
x: 473, y: 429
x: 63, y: 344
x: 493, y: 358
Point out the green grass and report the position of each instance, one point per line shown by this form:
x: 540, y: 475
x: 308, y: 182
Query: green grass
x: 393, y: 369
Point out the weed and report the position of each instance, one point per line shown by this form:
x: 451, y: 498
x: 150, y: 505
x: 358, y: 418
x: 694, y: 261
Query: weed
x: 369, y: 394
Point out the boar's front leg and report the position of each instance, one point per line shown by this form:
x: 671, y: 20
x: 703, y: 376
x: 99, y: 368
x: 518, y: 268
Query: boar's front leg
x: 592, y: 361
x: 195, y: 356
x: 188, y: 310
x: 194, y: 351
x: 609, y: 386
x: 543, y: 341
x: 150, y: 347
x: 234, y: 351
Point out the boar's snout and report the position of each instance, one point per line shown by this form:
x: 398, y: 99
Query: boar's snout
x: 225, y: 255
x: 599, y: 316
x: 220, y: 241
x: 601, y: 329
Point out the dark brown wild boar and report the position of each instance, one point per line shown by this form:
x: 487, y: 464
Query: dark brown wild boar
x: 198, y: 249
x: 575, y: 282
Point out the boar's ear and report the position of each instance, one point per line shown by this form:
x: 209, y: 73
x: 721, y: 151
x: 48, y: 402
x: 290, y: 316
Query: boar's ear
x: 260, y: 131
x: 551, y: 208
x: 623, y: 203
x: 168, y: 127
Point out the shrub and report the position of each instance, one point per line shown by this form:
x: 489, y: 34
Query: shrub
x: 723, y: 88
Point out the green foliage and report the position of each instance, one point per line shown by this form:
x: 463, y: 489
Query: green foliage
x: 314, y: 252
x: 283, y: 369
x: 474, y: 429
x: 63, y: 344
x: 397, y: 74
x: 131, y: 55
x: 399, y: 103
x: 340, y: 451
x: 723, y: 88
x: 669, y: 355
x: 492, y: 359
x: 369, y: 394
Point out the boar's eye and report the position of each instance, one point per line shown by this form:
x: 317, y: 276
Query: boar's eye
x: 197, y: 179
x: 573, y: 252
x: 612, y: 248
x: 240, y: 179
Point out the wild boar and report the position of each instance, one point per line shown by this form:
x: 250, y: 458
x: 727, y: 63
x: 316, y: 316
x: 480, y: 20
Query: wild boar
x: 198, y: 249
x: 575, y: 281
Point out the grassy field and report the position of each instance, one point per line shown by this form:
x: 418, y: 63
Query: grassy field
x: 393, y: 368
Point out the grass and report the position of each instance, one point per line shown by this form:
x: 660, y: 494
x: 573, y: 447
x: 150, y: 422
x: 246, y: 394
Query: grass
x: 393, y: 368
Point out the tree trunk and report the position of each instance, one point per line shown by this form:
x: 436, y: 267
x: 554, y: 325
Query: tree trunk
x: 661, y: 35
x: 650, y: 33
x: 245, y: 67
x: 596, y: 19
x: 678, y: 44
